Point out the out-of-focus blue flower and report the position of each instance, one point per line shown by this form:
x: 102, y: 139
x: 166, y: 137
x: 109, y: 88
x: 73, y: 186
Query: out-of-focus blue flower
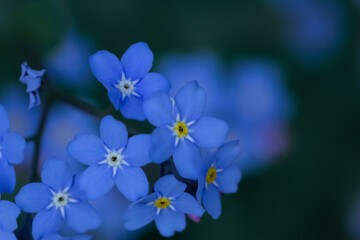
x: 59, y: 237
x: 128, y: 82
x: 181, y: 128
x: 68, y: 63
x: 32, y: 79
x: 9, y: 212
x: 219, y: 175
x: 113, y: 159
x: 56, y: 200
x: 313, y: 30
x: 12, y: 146
x: 167, y: 206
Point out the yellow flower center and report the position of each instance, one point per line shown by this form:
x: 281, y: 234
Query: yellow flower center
x: 211, y: 175
x: 162, y: 202
x: 181, y: 129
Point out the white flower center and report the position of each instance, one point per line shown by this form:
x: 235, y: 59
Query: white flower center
x: 60, y: 200
x: 126, y: 87
x: 114, y: 159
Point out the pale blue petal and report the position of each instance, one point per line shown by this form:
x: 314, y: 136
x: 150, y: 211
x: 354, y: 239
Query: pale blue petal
x: 169, y: 222
x: 169, y: 186
x: 162, y: 144
x: 229, y: 179
x: 187, y: 159
x: 211, y: 201
x: 87, y: 149
x: 201, y: 186
x: 191, y: 101
x: 9, y: 212
x: 137, y: 150
x: 132, y: 182
x: 152, y: 83
x: 12, y: 147
x: 209, y: 132
x: 82, y: 217
x: 46, y: 222
x: 137, y: 60
x: 132, y: 108
x: 113, y: 133
x: 227, y: 154
x: 158, y: 109
x: 186, y: 203
x: 33, y: 197
x: 7, y: 235
x: 115, y: 97
x: 7, y: 177
x: 4, y: 120
x: 57, y: 174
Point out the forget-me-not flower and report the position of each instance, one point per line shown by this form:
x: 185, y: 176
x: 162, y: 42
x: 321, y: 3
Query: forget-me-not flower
x: 128, y: 81
x: 32, y: 78
x: 56, y: 200
x: 113, y: 159
x: 9, y: 212
x: 12, y: 146
x: 181, y: 128
x: 218, y: 175
x: 167, y: 206
x: 59, y: 237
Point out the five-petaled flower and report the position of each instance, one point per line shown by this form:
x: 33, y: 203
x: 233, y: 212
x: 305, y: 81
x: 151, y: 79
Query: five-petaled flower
x: 112, y: 159
x: 127, y: 81
x: 12, y: 146
x: 32, y: 78
x: 218, y: 175
x: 9, y: 212
x: 181, y: 128
x: 167, y: 206
x: 56, y: 200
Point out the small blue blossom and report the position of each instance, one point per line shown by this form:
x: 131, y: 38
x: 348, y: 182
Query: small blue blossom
x: 12, y: 146
x: 9, y: 212
x: 32, y: 79
x: 218, y: 175
x: 59, y: 237
x: 56, y: 200
x: 128, y: 81
x: 113, y: 159
x: 167, y: 206
x: 181, y: 128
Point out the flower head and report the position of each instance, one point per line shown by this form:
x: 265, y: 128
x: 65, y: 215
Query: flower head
x: 167, y: 206
x: 12, y: 146
x: 56, y: 200
x: 32, y: 79
x: 181, y: 128
x: 113, y: 159
x: 218, y: 175
x: 9, y: 212
x: 128, y: 81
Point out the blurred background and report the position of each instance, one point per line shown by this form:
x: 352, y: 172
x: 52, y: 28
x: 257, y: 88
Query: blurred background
x: 283, y: 73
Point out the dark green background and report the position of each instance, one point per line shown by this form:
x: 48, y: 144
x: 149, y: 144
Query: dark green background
x: 308, y: 193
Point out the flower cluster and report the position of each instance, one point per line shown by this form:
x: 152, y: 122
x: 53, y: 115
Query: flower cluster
x: 189, y: 185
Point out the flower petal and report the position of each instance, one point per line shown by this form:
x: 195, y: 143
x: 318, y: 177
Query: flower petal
x: 227, y: 154
x: 229, y: 179
x: 169, y: 186
x: 12, y: 147
x: 115, y: 97
x: 132, y: 108
x: 7, y: 177
x: 4, y: 120
x: 57, y: 174
x: 137, y: 60
x: 96, y: 181
x: 132, y: 182
x: 46, y: 222
x: 87, y: 149
x: 82, y: 217
x: 187, y: 159
x: 209, y: 132
x: 106, y: 67
x: 211, y: 201
x: 9, y: 212
x: 191, y: 101
x: 158, y: 109
x: 186, y: 203
x: 169, y: 222
x: 152, y: 83
x: 7, y: 235
x: 33, y: 197
x: 113, y: 133
x: 137, y: 150
x: 139, y: 214
x: 162, y: 144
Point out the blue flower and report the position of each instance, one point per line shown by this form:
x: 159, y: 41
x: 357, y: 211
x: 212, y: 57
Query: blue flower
x: 32, y: 79
x: 128, y: 82
x: 167, y: 206
x: 218, y: 175
x: 181, y: 128
x: 113, y: 159
x: 59, y: 237
x: 12, y: 146
x: 9, y: 212
x: 56, y: 200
